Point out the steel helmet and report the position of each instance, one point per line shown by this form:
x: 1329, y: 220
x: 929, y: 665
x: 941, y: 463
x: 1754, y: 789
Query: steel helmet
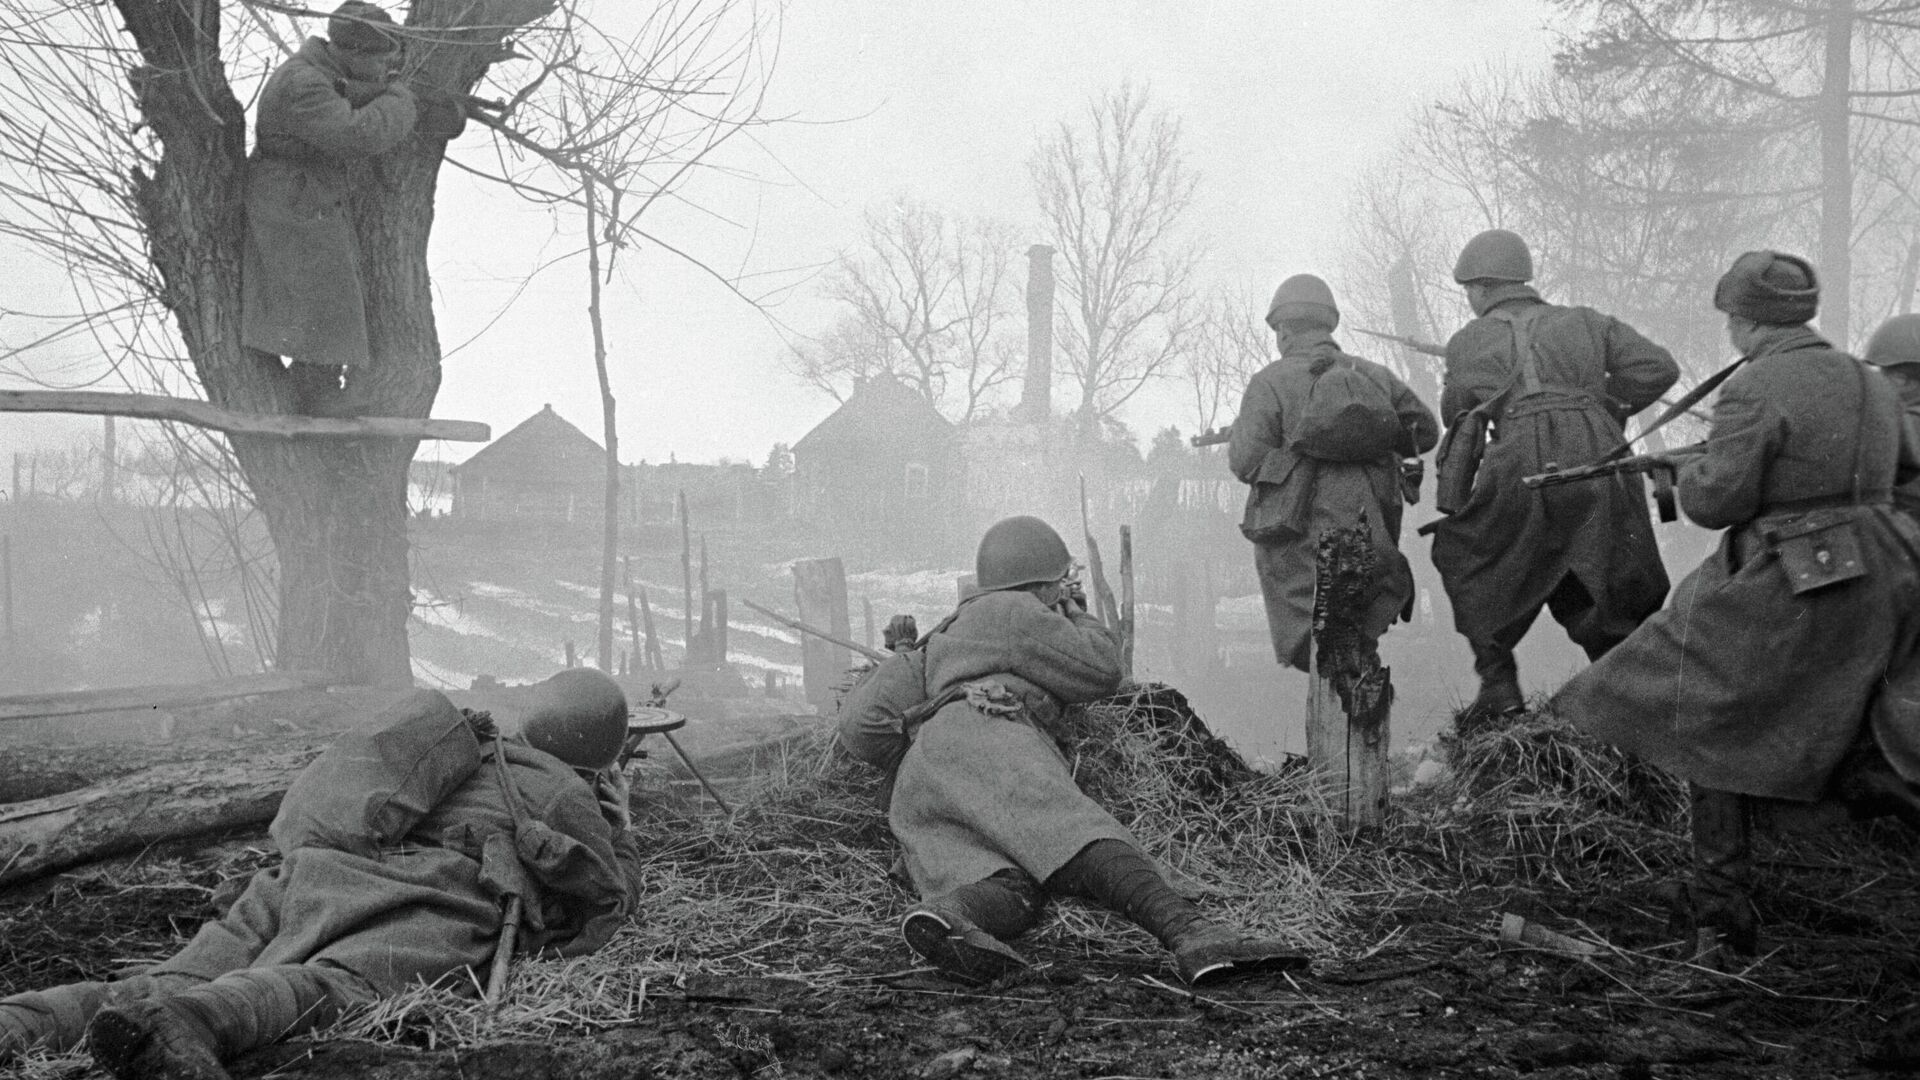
x: 1896, y: 342
x: 1306, y: 298
x: 1020, y: 551
x: 353, y: 28
x: 578, y: 716
x: 1494, y: 255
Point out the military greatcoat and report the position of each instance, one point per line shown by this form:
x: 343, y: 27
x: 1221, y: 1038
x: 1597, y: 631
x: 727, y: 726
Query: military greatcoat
x: 1315, y: 495
x: 1742, y: 685
x: 301, y: 288
x: 982, y: 786
x: 1504, y: 553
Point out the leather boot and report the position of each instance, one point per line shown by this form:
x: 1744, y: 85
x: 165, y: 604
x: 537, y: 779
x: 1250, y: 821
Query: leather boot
x: 1499, y: 699
x: 960, y: 932
x: 1718, y: 906
x: 154, y: 1039
x: 1118, y: 876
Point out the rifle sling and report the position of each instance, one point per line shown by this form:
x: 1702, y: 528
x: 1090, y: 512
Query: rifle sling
x: 1678, y: 408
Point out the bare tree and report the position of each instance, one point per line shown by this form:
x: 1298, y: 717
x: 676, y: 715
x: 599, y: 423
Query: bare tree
x: 1229, y: 344
x: 139, y: 197
x: 1111, y: 197
x: 622, y: 123
x: 927, y: 299
x: 1836, y: 70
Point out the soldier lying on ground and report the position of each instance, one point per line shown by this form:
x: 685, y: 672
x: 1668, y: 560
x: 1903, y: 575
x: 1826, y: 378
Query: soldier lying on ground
x: 989, y: 819
x: 399, y: 847
x: 1788, y: 664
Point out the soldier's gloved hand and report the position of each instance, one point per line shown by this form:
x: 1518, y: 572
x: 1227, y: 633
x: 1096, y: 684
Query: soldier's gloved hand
x: 1076, y: 596
x: 361, y: 93
x: 438, y: 113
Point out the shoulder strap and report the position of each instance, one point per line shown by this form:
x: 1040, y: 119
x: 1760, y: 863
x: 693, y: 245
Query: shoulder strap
x: 1526, y: 370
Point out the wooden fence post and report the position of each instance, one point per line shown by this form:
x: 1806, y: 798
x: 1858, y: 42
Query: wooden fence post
x: 6, y: 587
x: 1350, y: 696
x: 656, y: 657
x: 820, y: 592
x: 686, y: 567
x: 718, y: 637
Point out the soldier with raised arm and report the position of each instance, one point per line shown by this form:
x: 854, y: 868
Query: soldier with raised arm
x: 989, y: 819
x: 1557, y: 383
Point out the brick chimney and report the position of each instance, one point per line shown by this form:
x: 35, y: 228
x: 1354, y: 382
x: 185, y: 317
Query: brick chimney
x: 1036, y: 393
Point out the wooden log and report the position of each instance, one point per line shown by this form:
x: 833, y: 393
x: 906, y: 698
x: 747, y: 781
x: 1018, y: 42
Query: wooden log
x: 820, y: 594
x: 203, y: 414
x: 1351, y: 696
x: 128, y: 813
x: 74, y: 702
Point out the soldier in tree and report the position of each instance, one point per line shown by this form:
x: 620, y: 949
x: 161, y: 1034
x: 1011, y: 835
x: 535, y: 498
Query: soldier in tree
x: 1319, y: 440
x: 989, y: 819
x: 337, y: 101
x: 399, y: 847
x: 1558, y: 383
x: 1788, y: 665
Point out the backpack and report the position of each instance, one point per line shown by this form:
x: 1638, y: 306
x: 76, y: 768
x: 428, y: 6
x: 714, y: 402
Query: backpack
x: 1348, y: 417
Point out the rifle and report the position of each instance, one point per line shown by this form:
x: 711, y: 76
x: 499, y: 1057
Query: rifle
x: 1660, y: 467
x: 1427, y: 347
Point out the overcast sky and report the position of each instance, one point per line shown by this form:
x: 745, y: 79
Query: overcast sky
x: 1283, y: 103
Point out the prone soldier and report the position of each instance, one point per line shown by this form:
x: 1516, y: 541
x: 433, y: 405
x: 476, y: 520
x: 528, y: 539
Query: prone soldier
x: 989, y: 819
x: 400, y: 845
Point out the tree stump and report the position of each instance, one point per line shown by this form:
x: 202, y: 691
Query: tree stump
x: 1351, y: 696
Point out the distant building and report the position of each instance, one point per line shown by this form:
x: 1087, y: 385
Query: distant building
x: 881, y: 466
x: 545, y: 469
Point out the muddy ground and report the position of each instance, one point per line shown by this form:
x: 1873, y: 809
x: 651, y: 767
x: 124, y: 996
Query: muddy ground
x: 1437, y: 995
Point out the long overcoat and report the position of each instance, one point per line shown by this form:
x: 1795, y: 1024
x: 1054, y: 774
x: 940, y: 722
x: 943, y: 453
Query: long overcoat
x: 421, y: 905
x: 1322, y: 494
x: 982, y: 786
x: 1506, y: 550
x: 1740, y: 684
x: 301, y: 291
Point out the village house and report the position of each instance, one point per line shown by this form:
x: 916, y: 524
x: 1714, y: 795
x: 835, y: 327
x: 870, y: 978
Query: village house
x: 545, y: 469
x: 880, y: 466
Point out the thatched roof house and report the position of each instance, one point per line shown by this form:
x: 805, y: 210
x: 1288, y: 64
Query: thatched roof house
x: 545, y: 468
x: 881, y: 466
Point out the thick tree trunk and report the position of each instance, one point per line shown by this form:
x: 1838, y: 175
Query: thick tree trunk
x: 336, y: 509
x: 1836, y: 175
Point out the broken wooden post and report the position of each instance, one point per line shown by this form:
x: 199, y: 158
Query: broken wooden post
x: 866, y: 605
x: 964, y: 586
x: 686, y: 567
x: 572, y: 660
x: 1350, y: 696
x: 640, y: 657
x: 6, y: 587
x: 1126, y: 601
x: 820, y: 592
x: 109, y: 463
x: 656, y: 658
x: 718, y: 638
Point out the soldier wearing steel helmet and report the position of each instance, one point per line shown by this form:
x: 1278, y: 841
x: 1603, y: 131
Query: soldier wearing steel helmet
x: 399, y: 846
x: 1298, y: 490
x: 1584, y: 551
x: 989, y: 819
x: 1895, y: 349
x: 1788, y: 665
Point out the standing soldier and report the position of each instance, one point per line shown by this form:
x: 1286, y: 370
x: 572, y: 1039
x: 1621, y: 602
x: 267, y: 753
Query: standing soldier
x: 1556, y: 383
x: 1895, y: 348
x: 1319, y: 440
x: 989, y: 819
x: 336, y: 101
x: 1800, y: 635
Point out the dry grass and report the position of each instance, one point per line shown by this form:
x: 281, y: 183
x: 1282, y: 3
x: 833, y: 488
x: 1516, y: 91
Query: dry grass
x: 795, y: 884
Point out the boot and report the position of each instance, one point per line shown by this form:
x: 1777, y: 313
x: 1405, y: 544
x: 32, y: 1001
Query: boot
x: 1499, y: 699
x: 1870, y: 788
x: 960, y: 932
x: 1118, y: 876
x: 1718, y: 907
x: 154, y: 1039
